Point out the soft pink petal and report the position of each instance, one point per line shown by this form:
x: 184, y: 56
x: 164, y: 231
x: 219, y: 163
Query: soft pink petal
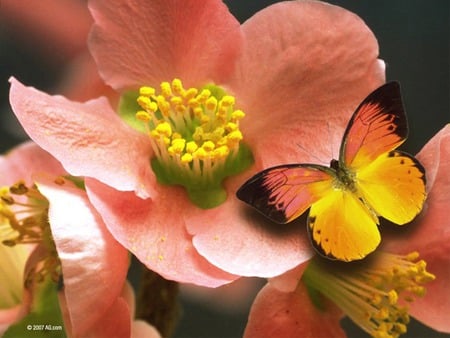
x: 25, y: 160
x: 277, y: 314
x: 9, y: 317
x: 305, y: 67
x: 94, y: 265
x: 56, y: 29
x: 139, y: 328
x: 239, y: 240
x: 430, y: 234
x: 138, y: 42
x: 89, y: 139
x: 288, y: 281
x: 154, y: 231
x: 115, y: 322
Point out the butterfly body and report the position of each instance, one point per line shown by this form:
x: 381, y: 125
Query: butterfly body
x: 370, y: 179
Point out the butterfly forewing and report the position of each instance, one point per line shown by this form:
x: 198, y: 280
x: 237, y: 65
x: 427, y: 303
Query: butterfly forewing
x: 378, y: 126
x: 283, y: 193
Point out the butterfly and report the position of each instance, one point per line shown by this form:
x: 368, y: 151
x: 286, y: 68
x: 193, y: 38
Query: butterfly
x: 345, y: 200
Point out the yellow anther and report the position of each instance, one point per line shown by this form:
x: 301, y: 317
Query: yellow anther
x: 146, y: 103
x: 235, y: 136
x: 166, y: 91
x: 176, y: 135
x: 204, y: 95
x: 231, y: 126
x: 164, y: 128
x: 176, y: 100
x: 143, y: 116
x: 190, y: 94
x: 147, y: 91
x: 178, y: 145
x: 227, y: 101
x: 221, y: 152
x: 204, y: 119
x: 177, y: 87
x: 193, y: 103
x: 393, y: 297
x: 186, y: 158
x: 200, y: 154
x: 237, y: 115
x: 191, y: 147
x: 208, y: 146
x: 211, y: 103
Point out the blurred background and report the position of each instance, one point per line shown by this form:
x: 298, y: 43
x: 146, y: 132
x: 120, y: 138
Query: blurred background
x: 44, y: 41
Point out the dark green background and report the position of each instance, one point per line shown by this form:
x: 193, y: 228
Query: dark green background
x: 414, y: 38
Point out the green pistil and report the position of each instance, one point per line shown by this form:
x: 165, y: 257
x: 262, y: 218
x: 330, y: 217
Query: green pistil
x: 372, y: 293
x: 196, y: 138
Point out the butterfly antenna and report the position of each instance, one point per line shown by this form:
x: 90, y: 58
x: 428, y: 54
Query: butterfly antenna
x: 331, y: 141
x: 307, y: 151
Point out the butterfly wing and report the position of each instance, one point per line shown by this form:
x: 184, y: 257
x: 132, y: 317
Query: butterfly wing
x: 394, y: 186
x: 341, y: 227
x: 391, y: 182
x: 378, y: 126
x: 284, y: 192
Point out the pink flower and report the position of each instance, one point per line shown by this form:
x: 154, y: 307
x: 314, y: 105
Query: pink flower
x: 287, y: 68
x: 429, y: 235
x: 92, y: 262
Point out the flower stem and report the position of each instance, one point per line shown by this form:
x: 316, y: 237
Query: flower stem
x: 157, y: 302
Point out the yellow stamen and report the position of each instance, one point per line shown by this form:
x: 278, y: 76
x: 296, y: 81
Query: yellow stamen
x: 372, y: 293
x: 24, y: 220
x: 205, y: 126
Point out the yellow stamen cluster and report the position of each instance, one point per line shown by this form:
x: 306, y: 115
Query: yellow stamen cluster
x: 190, y: 129
x: 24, y: 220
x: 374, y: 295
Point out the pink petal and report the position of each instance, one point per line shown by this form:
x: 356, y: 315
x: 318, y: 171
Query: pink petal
x: 9, y: 317
x: 88, y: 138
x: 288, y: 281
x: 145, y: 42
x: 25, y: 160
x: 154, y: 231
x: 239, y: 240
x: 430, y: 233
x: 49, y: 26
x: 115, y: 322
x: 94, y: 265
x: 139, y: 328
x: 291, y: 314
x: 305, y: 67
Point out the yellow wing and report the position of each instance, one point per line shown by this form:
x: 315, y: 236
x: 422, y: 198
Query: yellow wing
x: 394, y: 186
x: 342, y: 227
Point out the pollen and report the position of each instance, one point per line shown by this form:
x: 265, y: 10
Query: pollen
x: 373, y: 295
x: 24, y: 220
x: 194, y: 132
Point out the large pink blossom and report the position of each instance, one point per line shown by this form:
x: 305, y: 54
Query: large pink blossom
x: 429, y: 235
x: 297, y: 69
x: 93, y: 263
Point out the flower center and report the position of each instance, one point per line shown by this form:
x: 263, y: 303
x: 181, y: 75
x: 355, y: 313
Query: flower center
x: 373, y: 294
x: 24, y: 220
x: 195, y: 137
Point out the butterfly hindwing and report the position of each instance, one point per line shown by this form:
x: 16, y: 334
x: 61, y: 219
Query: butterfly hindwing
x: 394, y: 186
x: 378, y: 126
x: 284, y: 192
x: 341, y: 227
